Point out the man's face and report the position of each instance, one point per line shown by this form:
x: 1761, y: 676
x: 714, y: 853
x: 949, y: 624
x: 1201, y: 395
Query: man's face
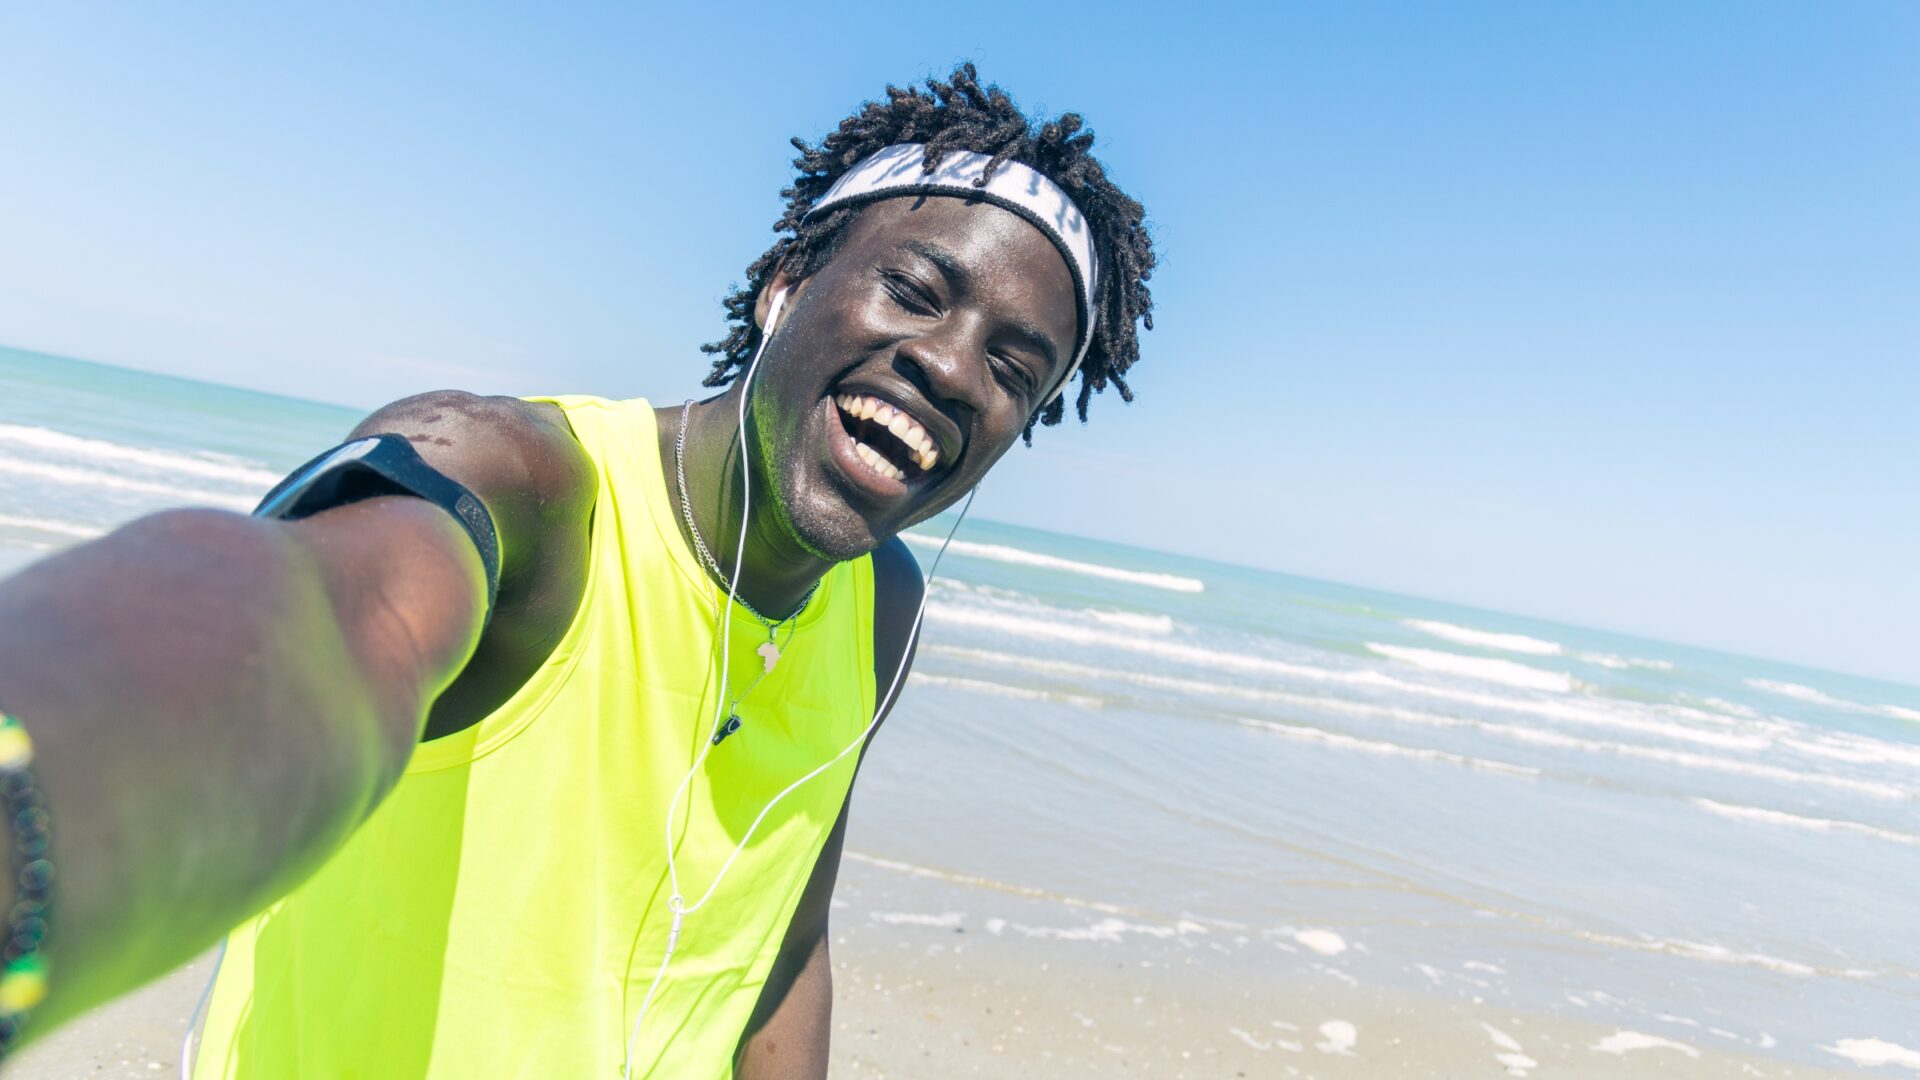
x: 956, y: 316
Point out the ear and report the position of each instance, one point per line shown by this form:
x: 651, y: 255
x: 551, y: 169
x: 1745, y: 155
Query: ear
x: 780, y: 280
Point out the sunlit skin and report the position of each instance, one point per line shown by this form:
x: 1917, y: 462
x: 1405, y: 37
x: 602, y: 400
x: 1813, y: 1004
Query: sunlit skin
x: 960, y: 312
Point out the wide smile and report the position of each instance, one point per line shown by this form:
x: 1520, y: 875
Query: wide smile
x: 881, y: 446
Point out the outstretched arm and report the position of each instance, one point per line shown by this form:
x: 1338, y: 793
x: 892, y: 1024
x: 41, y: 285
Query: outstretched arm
x: 217, y: 701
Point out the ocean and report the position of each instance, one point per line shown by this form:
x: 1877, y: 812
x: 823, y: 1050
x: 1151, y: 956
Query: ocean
x: 1289, y: 777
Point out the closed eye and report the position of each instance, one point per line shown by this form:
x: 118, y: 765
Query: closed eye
x: 910, y: 294
x: 1013, y: 374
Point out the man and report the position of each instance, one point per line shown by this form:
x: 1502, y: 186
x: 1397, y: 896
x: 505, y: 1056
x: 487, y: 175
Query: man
x: 545, y: 752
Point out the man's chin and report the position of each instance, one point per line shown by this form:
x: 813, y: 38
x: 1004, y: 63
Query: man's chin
x: 833, y: 531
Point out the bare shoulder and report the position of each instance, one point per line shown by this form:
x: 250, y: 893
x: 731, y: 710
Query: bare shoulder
x: 494, y: 445
x: 520, y: 458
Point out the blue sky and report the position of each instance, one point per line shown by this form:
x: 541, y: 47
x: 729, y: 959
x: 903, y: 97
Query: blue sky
x: 1608, y: 313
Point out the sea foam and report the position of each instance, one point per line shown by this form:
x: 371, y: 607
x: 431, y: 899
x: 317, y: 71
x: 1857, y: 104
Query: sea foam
x: 1131, y: 620
x: 1531, y: 735
x: 71, y: 529
x: 1874, y: 1052
x: 1051, y: 628
x: 977, y: 882
x: 1688, y: 760
x: 1810, y: 824
x: 1813, y: 696
x: 1384, y: 749
x: 1623, y: 663
x: 1018, y: 557
x: 73, y: 477
x: 1338, y: 1037
x: 1560, y: 711
x: 1796, y: 691
x: 1620, y: 1042
x: 1324, y: 942
x: 1505, y: 672
x: 1486, y: 639
x: 1694, y: 950
x: 992, y: 689
x: 946, y: 920
x: 59, y: 442
x: 1858, y: 749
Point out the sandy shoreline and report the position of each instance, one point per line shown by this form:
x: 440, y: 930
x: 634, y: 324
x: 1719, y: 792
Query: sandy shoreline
x: 1039, y: 989
x: 926, y: 989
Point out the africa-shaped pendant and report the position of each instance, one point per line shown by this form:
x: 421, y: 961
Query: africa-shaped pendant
x: 769, y: 654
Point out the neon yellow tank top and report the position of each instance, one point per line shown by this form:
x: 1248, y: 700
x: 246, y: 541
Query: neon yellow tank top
x: 503, y: 912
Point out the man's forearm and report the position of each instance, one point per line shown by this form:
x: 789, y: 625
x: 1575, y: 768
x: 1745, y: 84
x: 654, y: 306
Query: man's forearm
x: 207, y: 730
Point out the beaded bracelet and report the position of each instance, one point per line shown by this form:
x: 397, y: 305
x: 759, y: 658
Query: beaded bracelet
x: 23, y: 973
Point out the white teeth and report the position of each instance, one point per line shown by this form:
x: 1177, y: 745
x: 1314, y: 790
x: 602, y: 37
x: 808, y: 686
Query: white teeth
x: 877, y: 463
x: 903, y: 426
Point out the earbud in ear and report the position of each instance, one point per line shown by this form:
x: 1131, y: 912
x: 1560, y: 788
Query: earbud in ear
x: 774, y: 307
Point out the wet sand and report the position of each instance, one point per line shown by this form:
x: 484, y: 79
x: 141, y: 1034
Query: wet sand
x: 925, y: 990
x: 929, y: 985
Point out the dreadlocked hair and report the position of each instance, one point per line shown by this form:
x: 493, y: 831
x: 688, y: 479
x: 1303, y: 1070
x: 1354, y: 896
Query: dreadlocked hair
x: 962, y: 115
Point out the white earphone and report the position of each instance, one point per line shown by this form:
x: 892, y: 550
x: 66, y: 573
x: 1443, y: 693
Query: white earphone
x: 774, y: 307
x: 676, y: 902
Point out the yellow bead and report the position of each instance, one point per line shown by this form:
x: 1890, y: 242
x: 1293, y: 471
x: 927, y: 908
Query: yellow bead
x: 22, y: 990
x: 16, y: 750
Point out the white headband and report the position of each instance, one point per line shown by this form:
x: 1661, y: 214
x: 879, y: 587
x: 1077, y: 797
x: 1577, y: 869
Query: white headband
x: 898, y: 170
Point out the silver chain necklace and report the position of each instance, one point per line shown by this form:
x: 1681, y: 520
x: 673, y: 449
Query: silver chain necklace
x: 769, y: 651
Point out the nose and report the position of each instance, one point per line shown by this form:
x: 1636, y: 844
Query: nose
x: 949, y: 361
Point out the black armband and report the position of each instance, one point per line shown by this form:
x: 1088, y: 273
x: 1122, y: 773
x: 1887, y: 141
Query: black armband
x: 383, y: 465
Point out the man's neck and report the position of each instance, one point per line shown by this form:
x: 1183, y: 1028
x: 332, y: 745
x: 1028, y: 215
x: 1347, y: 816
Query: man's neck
x: 775, y: 572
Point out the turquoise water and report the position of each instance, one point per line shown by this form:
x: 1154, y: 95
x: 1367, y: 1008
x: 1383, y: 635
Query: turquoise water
x: 1294, y: 777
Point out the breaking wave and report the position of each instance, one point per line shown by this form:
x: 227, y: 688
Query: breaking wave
x: 1558, y: 711
x: 1530, y: 646
x: 993, y: 689
x: 1521, y: 733
x: 1500, y: 671
x: 1811, y: 824
x: 1018, y: 557
x: 1485, y: 639
x: 69, y: 529
x: 75, y: 477
x: 1622, y: 663
x: 1695, y: 950
x: 1811, y: 696
x: 75, y: 446
x: 1384, y: 749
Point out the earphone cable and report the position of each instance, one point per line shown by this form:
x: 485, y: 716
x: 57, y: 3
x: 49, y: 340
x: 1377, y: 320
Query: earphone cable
x: 676, y: 902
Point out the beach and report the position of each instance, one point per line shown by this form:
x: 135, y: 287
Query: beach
x: 1144, y: 814
x: 922, y: 990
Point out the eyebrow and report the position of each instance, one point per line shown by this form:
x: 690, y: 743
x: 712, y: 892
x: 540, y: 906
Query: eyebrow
x: 960, y: 280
